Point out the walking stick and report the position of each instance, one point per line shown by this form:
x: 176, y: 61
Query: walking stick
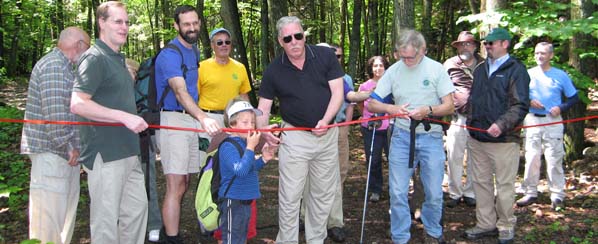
x: 367, y: 182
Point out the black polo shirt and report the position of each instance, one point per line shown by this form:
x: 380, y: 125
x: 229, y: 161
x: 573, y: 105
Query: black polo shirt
x: 303, y: 94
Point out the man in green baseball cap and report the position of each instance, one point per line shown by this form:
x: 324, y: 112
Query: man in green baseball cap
x: 498, y: 34
x: 499, y: 101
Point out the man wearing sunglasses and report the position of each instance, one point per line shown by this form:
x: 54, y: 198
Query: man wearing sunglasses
x: 221, y: 78
x: 498, y: 103
x: 308, y: 82
x: 460, y: 69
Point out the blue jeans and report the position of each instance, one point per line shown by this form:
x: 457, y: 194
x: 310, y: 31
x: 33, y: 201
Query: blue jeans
x: 380, y: 143
x: 429, y: 154
x: 234, y: 220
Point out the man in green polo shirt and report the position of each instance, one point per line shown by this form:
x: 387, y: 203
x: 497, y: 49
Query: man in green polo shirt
x: 103, y: 92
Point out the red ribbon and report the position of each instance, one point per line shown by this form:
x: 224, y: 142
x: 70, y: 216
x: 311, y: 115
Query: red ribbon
x: 31, y: 121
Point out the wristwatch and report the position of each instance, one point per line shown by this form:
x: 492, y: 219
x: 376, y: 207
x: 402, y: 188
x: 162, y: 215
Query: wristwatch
x: 430, y: 113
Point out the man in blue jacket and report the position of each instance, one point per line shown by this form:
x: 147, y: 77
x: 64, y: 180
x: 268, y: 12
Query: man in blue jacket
x: 499, y: 100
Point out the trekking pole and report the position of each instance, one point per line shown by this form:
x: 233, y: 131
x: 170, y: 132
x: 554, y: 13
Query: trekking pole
x: 367, y: 182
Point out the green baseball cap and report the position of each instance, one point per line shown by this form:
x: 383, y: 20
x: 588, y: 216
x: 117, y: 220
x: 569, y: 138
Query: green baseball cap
x: 498, y: 34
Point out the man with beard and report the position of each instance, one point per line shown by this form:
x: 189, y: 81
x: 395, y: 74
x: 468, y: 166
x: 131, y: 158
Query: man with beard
x: 179, y: 150
x: 498, y: 102
x: 460, y: 69
x: 103, y: 92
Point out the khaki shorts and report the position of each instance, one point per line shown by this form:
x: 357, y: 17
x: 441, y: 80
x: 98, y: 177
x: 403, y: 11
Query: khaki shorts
x: 179, y: 150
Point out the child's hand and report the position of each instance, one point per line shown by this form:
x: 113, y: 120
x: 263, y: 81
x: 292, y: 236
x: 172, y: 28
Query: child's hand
x: 268, y: 152
x: 253, y: 138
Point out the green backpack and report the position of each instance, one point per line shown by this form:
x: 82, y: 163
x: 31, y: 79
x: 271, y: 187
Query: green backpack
x: 206, y: 196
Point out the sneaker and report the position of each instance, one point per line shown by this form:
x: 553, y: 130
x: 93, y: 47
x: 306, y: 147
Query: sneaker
x: 526, y: 200
x: 557, y: 205
x: 469, y: 201
x: 428, y: 239
x: 375, y: 197
x: 451, y: 203
x: 337, y: 234
x: 154, y: 235
x: 506, y: 236
x: 477, y: 233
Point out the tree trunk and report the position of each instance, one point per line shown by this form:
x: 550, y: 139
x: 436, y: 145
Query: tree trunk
x: 155, y: 39
x: 355, y: 38
x: 404, y: 18
x: 343, y: 27
x: 474, y: 6
x: 574, y: 132
x: 91, y: 15
x: 265, y: 37
x: 427, y: 19
x: 59, y: 15
x: 231, y: 18
x: 1, y: 36
x: 373, y: 31
x: 322, y: 18
x: 204, y: 35
x: 278, y: 9
x: 14, y: 45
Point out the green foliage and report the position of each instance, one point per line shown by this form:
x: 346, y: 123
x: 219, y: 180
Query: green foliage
x: 536, y: 20
x: 14, y: 172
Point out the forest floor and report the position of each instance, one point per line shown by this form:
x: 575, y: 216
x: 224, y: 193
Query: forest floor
x: 578, y: 223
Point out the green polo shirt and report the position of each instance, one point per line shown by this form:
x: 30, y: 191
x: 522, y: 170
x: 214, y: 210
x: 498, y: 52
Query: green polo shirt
x: 102, y: 74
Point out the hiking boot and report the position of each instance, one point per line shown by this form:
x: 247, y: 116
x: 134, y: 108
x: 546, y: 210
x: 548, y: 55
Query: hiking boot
x: 477, y: 233
x: 469, y: 201
x: 375, y: 197
x: 557, y: 205
x: 506, y: 236
x: 526, y: 200
x: 337, y: 234
x: 428, y: 239
x: 451, y: 203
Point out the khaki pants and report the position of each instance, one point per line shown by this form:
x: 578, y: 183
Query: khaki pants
x: 306, y: 159
x: 494, y: 164
x: 336, y: 214
x: 118, y: 210
x: 547, y: 140
x: 456, y: 145
x: 53, y: 198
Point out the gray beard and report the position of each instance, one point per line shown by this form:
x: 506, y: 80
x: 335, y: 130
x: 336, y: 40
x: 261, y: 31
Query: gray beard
x: 466, y: 56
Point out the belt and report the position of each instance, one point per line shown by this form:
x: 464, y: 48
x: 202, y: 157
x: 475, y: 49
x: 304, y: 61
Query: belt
x: 174, y: 110
x: 213, y: 111
x: 540, y: 115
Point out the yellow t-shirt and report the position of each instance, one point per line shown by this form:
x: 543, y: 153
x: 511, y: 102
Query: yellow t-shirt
x: 218, y: 84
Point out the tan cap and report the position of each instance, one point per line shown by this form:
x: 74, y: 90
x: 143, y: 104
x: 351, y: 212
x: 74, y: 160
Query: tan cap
x: 464, y: 36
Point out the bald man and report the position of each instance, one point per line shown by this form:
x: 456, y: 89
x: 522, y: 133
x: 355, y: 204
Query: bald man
x: 53, y: 149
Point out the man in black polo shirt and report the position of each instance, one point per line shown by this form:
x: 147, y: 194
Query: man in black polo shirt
x: 307, y: 80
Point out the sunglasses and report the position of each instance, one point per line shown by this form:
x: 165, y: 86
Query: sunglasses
x: 339, y: 56
x: 221, y: 42
x: 488, y: 43
x: 289, y: 38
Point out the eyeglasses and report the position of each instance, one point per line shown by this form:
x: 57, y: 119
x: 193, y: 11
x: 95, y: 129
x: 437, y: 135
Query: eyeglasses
x: 121, y: 22
x: 221, y: 42
x: 85, y: 43
x: 289, y: 38
x: 465, y: 44
x: 339, y: 56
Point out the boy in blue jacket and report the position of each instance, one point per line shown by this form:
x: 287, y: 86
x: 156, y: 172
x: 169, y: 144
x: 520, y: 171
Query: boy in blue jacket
x: 235, y: 207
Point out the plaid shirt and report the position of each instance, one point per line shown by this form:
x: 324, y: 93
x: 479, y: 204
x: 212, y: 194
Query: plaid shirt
x: 49, y: 98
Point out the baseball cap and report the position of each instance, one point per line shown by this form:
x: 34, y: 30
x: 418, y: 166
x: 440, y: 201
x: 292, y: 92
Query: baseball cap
x: 498, y: 34
x: 218, y: 30
x: 241, y: 106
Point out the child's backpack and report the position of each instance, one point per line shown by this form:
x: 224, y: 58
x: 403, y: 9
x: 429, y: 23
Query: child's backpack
x: 206, y: 196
